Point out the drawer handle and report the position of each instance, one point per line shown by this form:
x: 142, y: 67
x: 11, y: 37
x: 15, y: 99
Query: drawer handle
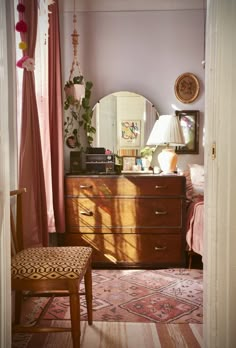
x: 85, y: 186
x: 160, y: 248
x: 87, y: 213
x: 160, y: 212
x: 161, y: 187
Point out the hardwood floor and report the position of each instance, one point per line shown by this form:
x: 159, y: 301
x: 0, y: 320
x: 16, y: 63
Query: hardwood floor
x: 119, y: 335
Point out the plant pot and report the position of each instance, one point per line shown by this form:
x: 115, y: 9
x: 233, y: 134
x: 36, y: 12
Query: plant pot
x: 76, y: 91
x: 71, y: 141
x: 145, y: 163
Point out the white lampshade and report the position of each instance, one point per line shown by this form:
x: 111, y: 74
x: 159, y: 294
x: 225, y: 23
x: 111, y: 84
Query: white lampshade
x: 166, y: 130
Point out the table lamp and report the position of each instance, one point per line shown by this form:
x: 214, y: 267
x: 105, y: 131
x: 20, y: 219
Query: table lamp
x: 167, y: 131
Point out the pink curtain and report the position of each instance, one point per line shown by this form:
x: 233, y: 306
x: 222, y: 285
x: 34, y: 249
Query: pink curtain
x: 31, y: 173
x: 56, y: 117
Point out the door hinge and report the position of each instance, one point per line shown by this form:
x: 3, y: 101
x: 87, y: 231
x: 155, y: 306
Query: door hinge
x: 213, y: 151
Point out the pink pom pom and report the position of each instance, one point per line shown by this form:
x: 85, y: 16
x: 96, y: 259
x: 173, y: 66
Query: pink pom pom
x: 20, y: 8
x: 21, y: 61
x: 21, y: 26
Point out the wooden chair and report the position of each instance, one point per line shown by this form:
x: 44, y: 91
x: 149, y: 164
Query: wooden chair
x: 190, y: 258
x: 48, y: 271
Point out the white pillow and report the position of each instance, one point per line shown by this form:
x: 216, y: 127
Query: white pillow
x: 197, y: 178
x: 189, y: 186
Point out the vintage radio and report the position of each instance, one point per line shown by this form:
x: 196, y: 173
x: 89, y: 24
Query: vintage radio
x: 100, y: 163
x: 96, y: 150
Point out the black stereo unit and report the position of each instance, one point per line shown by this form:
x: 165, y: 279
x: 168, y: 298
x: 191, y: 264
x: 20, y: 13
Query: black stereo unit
x: 96, y: 150
x: 75, y: 162
x: 99, y: 163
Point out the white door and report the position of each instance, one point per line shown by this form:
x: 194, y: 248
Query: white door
x: 220, y: 161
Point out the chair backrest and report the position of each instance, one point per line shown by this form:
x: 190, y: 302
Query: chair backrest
x: 17, y: 243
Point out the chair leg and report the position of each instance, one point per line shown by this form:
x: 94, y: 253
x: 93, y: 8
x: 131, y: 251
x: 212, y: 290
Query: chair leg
x: 18, y: 306
x: 89, y: 294
x: 190, y: 260
x: 75, y: 318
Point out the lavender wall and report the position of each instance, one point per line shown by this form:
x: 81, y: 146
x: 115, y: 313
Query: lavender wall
x: 143, y: 51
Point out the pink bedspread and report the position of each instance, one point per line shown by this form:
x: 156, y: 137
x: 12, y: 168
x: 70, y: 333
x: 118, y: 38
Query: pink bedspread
x: 195, y: 226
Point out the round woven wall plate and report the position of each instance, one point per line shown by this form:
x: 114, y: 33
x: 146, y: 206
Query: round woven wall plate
x: 187, y: 88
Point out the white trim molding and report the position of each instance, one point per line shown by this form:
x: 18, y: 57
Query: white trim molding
x: 5, y: 281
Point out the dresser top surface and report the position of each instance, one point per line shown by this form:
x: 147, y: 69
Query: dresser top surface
x: 117, y: 176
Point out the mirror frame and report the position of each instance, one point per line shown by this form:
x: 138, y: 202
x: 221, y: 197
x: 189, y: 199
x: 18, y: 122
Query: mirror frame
x: 193, y: 147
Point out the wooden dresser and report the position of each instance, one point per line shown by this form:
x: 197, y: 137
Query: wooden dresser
x: 130, y: 221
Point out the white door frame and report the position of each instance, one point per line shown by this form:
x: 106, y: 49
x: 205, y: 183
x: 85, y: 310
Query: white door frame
x: 220, y: 199
x: 5, y: 281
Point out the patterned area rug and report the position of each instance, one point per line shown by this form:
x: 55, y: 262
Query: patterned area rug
x: 159, y: 296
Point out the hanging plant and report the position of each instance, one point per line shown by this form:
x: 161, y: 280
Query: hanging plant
x: 78, y: 123
x: 78, y: 127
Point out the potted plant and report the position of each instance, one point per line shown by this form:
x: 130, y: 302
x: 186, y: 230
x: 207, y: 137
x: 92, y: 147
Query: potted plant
x: 78, y: 121
x: 75, y: 88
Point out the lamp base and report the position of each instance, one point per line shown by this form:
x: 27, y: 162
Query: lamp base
x: 168, y: 160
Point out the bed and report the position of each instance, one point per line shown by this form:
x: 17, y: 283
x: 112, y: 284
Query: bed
x: 195, y: 210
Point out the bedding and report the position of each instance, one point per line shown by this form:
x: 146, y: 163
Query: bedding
x: 195, y: 226
x: 197, y: 179
x: 195, y: 208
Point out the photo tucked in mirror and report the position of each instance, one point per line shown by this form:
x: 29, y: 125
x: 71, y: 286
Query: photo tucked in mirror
x: 123, y: 122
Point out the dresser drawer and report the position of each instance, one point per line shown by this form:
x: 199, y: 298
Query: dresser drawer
x: 125, y: 186
x: 106, y: 215
x: 132, y: 249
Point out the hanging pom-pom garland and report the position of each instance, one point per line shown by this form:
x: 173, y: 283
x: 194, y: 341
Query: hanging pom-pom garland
x: 21, y: 26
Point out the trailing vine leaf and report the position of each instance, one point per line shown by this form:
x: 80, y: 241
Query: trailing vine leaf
x: 89, y: 85
x: 92, y: 130
x: 90, y: 139
x: 87, y: 94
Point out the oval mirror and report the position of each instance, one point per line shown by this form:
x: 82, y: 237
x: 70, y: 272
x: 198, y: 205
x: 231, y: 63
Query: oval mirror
x: 123, y: 122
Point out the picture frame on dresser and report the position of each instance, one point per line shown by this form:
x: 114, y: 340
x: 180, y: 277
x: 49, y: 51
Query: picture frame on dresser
x: 189, y: 121
x: 128, y: 162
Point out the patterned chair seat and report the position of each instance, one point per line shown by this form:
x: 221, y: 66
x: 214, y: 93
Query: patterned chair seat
x: 50, y: 263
